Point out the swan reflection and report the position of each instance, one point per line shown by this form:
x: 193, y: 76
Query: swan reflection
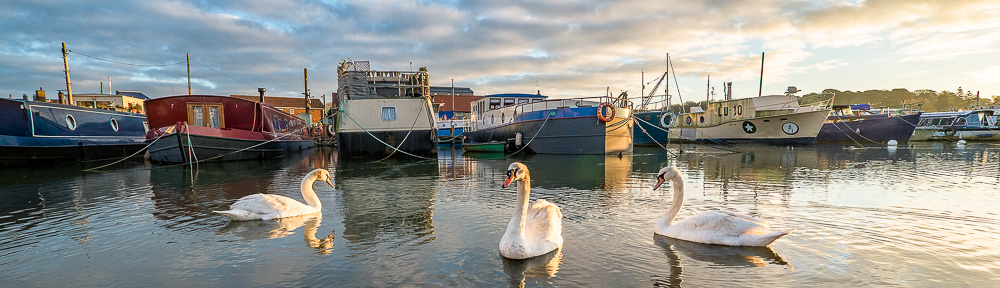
x: 719, y: 255
x: 544, y: 266
x: 278, y: 228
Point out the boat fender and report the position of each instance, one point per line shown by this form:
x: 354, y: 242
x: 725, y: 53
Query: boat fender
x: 518, y: 139
x: 600, y: 112
x: 949, y: 131
x: 665, y: 120
x: 329, y: 130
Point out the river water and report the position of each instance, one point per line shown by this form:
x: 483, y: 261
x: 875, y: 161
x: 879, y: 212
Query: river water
x: 920, y: 216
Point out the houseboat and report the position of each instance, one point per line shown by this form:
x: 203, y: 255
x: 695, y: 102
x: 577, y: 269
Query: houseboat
x: 769, y: 119
x: 194, y: 128
x: 976, y: 125
x: 383, y: 112
x: 41, y: 131
x: 860, y: 124
x: 590, y: 125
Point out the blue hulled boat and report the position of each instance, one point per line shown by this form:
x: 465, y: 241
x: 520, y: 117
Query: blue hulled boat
x: 37, y: 131
x: 592, y: 125
x: 651, y: 128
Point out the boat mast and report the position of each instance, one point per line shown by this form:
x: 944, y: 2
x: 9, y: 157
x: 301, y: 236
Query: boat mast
x: 760, y: 88
x: 189, y: 72
x: 69, y: 87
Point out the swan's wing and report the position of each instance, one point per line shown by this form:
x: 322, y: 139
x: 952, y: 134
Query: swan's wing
x: 264, y: 203
x: 544, y: 218
x: 722, y: 223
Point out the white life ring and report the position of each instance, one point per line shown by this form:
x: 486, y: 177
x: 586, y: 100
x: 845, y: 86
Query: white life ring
x: 665, y: 120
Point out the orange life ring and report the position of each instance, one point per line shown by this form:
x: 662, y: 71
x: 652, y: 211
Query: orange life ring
x: 318, y: 130
x: 600, y: 112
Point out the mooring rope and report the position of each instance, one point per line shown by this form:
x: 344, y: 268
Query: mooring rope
x: 550, y: 114
x: 376, y: 138
x: 651, y: 136
x: 421, y: 112
x: 237, y: 151
x: 127, y: 157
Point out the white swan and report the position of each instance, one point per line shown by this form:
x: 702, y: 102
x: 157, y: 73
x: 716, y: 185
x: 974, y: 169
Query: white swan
x: 711, y: 227
x: 534, y: 230
x: 270, y: 206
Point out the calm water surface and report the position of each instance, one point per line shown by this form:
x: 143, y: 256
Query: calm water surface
x: 921, y: 216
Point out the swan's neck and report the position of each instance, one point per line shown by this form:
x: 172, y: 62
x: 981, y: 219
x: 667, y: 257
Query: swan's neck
x: 521, y: 210
x: 307, y: 191
x: 675, y: 206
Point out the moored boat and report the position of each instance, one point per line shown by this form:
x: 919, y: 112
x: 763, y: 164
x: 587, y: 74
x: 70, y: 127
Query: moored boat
x: 858, y: 124
x: 495, y: 146
x: 193, y: 128
x: 384, y: 112
x: 976, y: 125
x: 40, y: 131
x: 590, y: 125
x: 769, y: 119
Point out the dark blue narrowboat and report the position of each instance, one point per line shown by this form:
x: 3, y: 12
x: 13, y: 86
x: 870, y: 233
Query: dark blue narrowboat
x: 38, y: 131
x: 651, y: 128
x: 859, y: 124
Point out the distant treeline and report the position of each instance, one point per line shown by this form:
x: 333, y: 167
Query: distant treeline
x: 920, y: 99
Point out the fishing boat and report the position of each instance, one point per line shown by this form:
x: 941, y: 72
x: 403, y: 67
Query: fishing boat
x: 652, y: 123
x: 976, y: 125
x: 532, y: 122
x: 769, y: 119
x: 860, y: 124
x: 40, y: 131
x: 195, y: 128
x: 384, y: 112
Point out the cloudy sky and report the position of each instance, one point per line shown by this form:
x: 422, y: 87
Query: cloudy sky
x: 562, y: 47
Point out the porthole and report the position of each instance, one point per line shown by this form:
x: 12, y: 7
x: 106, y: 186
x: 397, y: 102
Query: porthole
x: 701, y: 119
x: 114, y: 124
x: 70, y: 122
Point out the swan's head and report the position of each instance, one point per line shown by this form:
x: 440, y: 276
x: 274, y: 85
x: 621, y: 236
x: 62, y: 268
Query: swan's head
x: 323, y: 175
x: 516, y: 171
x: 667, y: 173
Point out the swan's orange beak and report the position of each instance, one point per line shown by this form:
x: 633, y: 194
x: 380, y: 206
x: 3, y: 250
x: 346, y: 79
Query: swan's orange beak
x: 329, y: 182
x: 659, y: 181
x: 510, y: 178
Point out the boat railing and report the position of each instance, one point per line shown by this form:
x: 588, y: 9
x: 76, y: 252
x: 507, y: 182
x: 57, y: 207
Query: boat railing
x: 594, y: 101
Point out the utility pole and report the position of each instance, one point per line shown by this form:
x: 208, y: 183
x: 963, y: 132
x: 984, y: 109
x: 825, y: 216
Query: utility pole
x: 69, y: 87
x: 189, y: 72
x: 305, y: 73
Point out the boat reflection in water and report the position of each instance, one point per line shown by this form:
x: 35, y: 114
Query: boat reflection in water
x: 540, y: 267
x: 389, y: 199
x: 282, y: 227
x: 575, y: 171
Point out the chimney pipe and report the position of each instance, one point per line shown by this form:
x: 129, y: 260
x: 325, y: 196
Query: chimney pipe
x: 261, y: 90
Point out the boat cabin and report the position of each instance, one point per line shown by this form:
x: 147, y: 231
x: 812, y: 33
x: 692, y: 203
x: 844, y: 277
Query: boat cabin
x: 967, y: 119
x: 220, y: 112
x: 741, y: 109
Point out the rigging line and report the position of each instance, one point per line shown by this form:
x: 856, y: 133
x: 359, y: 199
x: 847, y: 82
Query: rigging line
x: 125, y: 63
x: 224, y: 74
x: 279, y: 137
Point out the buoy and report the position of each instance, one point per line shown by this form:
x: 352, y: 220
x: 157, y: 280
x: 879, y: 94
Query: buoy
x: 891, y: 143
x: 960, y: 143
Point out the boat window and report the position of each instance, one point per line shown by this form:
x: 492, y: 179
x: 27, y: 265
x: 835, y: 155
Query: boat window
x: 536, y: 100
x: 114, y: 124
x: 521, y: 101
x: 70, y: 122
x: 701, y: 119
x: 961, y: 122
x: 923, y: 122
x: 508, y: 101
x: 491, y: 119
x: 206, y: 115
x: 291, y: 111
x: 936, y: 122
x: 389, y: 113
x: 494, y: 103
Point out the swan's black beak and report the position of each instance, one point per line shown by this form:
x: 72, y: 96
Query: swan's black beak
x: 659, y: 181
x: 510, y: 178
